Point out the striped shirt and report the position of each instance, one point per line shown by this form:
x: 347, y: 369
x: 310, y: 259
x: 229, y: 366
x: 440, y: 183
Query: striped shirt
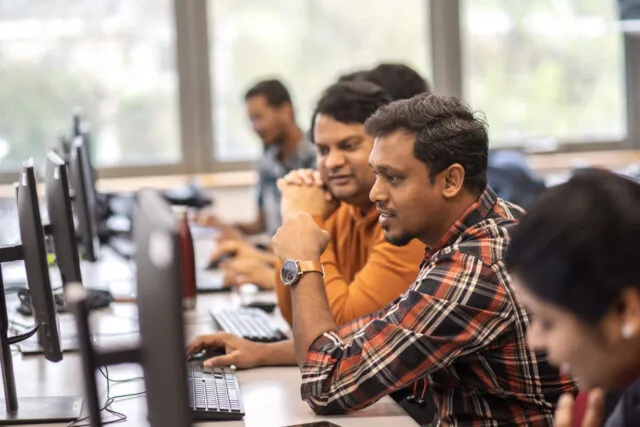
x: 458, y: 328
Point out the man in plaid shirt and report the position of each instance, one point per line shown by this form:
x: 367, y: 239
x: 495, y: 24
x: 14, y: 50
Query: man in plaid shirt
x: 459, y: 328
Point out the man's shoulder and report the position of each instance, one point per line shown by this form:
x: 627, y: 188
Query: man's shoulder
x: 486, y: 241
x: 268, y: 159
x: 306, y: 151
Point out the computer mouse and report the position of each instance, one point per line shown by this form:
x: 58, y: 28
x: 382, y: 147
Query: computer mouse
x: 214, y: 264
x: 265, y: 306
x: 206, y: 354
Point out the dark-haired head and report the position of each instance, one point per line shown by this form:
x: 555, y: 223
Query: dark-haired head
x: 575, y: 260
x: 399, y: 80
x: 270, y: 110
x: 354, y: 75
x: 342, y: 144
x: 430, y: 155
x: 445, y: 131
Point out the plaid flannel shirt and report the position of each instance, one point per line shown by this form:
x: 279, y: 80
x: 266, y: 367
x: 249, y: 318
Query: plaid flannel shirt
x: 458, y: 327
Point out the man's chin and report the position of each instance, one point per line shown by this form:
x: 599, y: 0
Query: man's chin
x: 397, y: 240
x: 343, y: 194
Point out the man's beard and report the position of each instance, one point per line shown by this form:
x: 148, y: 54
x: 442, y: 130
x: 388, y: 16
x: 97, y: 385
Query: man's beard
x: 401, y: 240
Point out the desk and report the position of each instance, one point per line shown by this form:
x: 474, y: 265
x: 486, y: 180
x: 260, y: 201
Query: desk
x: 271, y: 396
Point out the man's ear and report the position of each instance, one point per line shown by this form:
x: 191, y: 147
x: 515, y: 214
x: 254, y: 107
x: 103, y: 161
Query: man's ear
x: 286, y: 111
x: 453, y: 180
x: 630, y: 311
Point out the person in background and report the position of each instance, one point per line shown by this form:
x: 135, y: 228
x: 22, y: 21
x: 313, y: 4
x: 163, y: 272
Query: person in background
x: 363, y: 272
x: 458, y: 328
x: 576, y: 265
x: 272, y: 118
x: 397, y: 80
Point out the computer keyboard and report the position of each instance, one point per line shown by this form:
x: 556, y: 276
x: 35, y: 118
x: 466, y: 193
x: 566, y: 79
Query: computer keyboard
x: 214, y: 393
x: 250, y: 323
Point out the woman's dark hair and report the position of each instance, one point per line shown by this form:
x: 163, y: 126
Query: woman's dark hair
x: 577, y: 248
x: 446, y: 132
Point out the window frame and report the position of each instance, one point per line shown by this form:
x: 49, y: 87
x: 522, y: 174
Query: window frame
x: 197, y: 142
x: 449, y: 77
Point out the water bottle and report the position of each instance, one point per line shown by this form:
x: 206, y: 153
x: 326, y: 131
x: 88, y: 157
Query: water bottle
x: 188, y: 260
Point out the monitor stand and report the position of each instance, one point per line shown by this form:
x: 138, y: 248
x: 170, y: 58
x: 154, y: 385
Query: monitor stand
x: 30, y: 410
x: 36, y: 410
x: 32, y: 347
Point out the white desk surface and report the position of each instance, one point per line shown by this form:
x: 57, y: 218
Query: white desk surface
x: 271, y: 396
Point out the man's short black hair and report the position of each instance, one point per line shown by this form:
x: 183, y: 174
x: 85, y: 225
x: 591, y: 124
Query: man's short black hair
x: 446, y: 132
x: 577, y: 247
x: 354, y: 75
x: 273, y: 90
x: 350, y: 102
x: 398, y: 80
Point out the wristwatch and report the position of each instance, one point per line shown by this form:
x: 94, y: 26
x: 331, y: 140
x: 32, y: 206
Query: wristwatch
x: 293, y: 269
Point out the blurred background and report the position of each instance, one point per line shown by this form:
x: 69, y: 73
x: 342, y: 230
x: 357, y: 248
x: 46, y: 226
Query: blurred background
x: 162, y: 81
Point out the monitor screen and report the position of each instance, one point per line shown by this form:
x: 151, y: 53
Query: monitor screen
x: 35, y: 260
x: 61, y: 219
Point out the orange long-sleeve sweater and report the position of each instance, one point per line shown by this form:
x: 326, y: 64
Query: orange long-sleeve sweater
x: 363, y: 272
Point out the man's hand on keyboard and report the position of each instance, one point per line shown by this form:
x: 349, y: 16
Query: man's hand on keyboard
x: 238, y: 272
x: 241, y: 353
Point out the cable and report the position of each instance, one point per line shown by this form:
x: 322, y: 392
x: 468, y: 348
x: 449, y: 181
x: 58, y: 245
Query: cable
x: 110, y: 400
x: 19, y: 338
x: 105, y: 374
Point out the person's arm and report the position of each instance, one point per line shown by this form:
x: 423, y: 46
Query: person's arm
x: 388, y: 272
x: 254, y: 227
x: 240, y: 271
x: 448, y: 315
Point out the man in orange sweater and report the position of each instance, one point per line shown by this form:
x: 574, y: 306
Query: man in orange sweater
x: 363, y: 272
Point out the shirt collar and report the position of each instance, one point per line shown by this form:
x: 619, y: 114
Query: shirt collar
x: 475, y: 213
x: 274, y: 152
x: 367, y: 219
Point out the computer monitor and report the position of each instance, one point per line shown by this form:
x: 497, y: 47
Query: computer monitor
x: 84, y: 199
x: 35, y: 260
x: 629, y: 9
x: 158, y: 260
x: 32, y: 410
x: 82, y: 128
x: 159, y: 298
x: 61, y: 219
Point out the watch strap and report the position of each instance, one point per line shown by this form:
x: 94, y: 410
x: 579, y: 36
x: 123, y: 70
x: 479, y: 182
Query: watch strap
x: 310, y: 266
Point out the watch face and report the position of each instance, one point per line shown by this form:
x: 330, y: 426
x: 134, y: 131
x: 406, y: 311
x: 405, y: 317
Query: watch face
x: 289, y: 272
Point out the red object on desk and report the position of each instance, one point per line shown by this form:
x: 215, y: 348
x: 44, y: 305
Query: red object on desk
x: 188, y: 261
x: 580, y: 408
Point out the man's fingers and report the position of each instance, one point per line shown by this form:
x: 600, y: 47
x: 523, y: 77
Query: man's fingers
x: 195, y: 346
x: 564, y: 412
x: 224, y: 360
x: 282, y: 183
x: 594, y: 414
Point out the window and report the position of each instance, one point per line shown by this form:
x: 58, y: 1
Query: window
x: 545, y: 71
x: 307, y: 44
x: 114, y: 59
